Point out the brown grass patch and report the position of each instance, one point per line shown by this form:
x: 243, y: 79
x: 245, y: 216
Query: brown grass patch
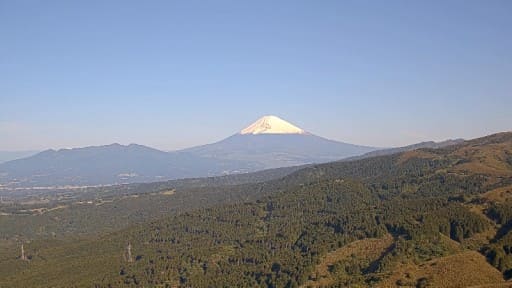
x: 489, y: 159
x: 371, y: 248
x: 501, y: 194
x: 466, y: 269
x: 404, y: 157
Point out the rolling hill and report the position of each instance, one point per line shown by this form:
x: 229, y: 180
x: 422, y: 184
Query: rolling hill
x: 419, y: 214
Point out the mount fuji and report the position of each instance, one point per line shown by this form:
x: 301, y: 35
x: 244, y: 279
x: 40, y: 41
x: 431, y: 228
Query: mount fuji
x: 272, y: 142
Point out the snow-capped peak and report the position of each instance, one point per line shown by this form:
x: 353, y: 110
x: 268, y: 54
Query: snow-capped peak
x: 272, y: 125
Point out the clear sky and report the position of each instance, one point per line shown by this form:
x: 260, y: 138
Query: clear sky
x: 173, y: 74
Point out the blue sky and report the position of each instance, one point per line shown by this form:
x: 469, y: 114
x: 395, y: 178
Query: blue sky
x: 172, y: 74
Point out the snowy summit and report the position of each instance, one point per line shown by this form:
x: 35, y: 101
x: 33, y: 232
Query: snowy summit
x: 272, y: 125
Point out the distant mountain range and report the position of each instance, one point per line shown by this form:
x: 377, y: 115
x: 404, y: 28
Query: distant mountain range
x: 13, y: 155
x: 111, y: 164
x: 273, y: 142
x: 270, y: 142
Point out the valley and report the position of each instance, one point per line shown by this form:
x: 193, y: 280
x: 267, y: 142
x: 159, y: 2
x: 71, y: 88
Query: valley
x: 385, y: 221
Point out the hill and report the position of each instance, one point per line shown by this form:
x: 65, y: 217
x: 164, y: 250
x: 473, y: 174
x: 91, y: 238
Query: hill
x: 421, y: 145
x: 417, y: 199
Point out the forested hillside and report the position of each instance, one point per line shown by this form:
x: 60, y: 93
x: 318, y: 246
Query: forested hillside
x: 423, y: 218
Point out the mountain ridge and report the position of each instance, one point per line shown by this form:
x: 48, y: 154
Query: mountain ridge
x: 424, y: 210
x: 269, y: 142
x: 239, y: 153
x: 110, y: 164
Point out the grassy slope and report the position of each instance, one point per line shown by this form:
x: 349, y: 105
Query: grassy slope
x: 464, y: 269
x: 368, y: 250
x: 63, y: 264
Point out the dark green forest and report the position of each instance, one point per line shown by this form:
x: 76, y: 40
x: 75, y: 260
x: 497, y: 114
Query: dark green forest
x: 431, y: 203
